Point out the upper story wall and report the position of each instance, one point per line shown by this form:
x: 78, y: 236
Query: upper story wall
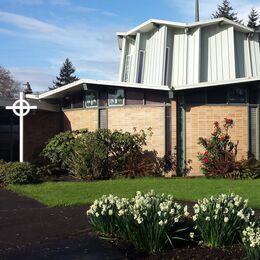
x: 167, y: 55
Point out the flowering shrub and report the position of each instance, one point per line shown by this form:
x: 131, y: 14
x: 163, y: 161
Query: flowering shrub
x: 220, y: 220
x: 219, y: 158
x: 251, y: 240
x: 147, y: 220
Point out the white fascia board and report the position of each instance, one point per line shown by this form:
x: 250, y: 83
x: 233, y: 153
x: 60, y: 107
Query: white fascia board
x: 145, y: 25
x: 218, y: 83
x: 32, y: 96
x: 97, y: 82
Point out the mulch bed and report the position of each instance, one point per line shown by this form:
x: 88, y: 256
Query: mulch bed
x: 30, y: 230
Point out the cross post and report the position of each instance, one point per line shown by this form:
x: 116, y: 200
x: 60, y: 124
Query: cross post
x: 21, y: 108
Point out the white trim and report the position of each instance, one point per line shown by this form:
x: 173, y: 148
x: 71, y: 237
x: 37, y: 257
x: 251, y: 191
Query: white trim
x: 217, y: 83
x: 50, y: 93
x: 147, y: 25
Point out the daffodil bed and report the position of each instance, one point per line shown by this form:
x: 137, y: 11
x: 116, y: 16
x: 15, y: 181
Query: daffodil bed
x: 153, y: 222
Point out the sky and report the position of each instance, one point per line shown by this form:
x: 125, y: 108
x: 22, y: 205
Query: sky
x: 36, y: 36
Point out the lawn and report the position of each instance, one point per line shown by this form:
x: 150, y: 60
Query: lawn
x: 75, y: 193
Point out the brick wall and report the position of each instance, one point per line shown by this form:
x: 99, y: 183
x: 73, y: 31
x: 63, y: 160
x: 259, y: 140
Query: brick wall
x: 80, y: 118
x: 143, y: 117
x: 199, y: 123
x: 39, y: 127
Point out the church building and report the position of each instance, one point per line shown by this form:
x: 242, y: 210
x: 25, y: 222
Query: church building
x: 177, y: 78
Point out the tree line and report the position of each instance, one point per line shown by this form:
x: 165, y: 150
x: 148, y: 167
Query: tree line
x: 9, y: 86
x: 227, y: 11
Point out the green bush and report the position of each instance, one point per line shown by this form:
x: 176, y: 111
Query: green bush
x: 60, y: 146
x: 220, y: 220
x: 149, y: 221
x: 251, y: 241
x: 17, y: 173
x: 88, y: 158
x: 105, y: 154
x: 2, y: 162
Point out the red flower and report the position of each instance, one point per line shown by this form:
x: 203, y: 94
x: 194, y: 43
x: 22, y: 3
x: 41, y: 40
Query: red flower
x: 206, y: 153
x: 222, y: 138
x: 216, y: 123
x: 229, y: 121
x: 205, y: 160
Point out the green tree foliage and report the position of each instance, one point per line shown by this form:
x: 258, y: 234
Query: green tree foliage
x: 66, y: 75
x: 253, y: 18
x: 9, y: 87
x: 226, y: 10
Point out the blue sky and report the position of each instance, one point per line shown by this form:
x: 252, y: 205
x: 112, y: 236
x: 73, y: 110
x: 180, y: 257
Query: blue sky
x: 37, y: 35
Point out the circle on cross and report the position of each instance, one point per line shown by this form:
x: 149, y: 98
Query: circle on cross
x: 21, y: 107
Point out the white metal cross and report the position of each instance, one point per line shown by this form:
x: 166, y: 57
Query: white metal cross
x: 21, y: 108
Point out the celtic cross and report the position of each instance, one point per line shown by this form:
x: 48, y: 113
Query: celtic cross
x: 21, y: 108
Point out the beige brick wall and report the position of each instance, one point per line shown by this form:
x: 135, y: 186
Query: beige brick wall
x: 143, y: 117
x: 199, y: 123
x: 80, y: 118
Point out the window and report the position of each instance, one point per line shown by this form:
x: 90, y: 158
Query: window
x: 237, y: 95
x: 91, y: 99
x: 166, y: 66
x: 140, y: 66
x: 195, y: 97
x: 217, y: 96
x: 115, y: 97
x: 253, y: 95
x: 127, y: 68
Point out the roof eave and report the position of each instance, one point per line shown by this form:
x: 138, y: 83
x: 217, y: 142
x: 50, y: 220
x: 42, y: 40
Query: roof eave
x: 50, y: 94
x: 184, y: 25
x: 217, y: 83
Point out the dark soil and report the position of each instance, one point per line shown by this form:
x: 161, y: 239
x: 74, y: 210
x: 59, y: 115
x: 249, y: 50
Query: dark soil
x: 30, y: 230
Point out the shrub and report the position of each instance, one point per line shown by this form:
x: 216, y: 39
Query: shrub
x: 248, y: 169
x: 173, y: 165
x: 220, y: 220
x: 59, y: 147
x: 88, y: 158
x: 18, y: 173
x: 148, y: 220
x: 219, y: 159
x: 125, y: 150
x: 2, y: 162
x: 105, y: 154
x: 251, y: 241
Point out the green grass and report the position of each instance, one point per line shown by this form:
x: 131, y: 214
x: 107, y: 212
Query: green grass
x: 76, y: 193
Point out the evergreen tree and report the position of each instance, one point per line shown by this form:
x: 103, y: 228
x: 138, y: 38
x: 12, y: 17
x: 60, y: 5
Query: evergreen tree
x: 65, y: 76
x: 226, y: 10
x: 253, y: 18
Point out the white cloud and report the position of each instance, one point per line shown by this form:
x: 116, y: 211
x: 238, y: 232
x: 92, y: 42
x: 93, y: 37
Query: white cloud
x: 39, y: 78
x: 6, y: 31
x: 92, y: 49
x: 28, y: 23
x: 83, y: 9
x: 107, y: 13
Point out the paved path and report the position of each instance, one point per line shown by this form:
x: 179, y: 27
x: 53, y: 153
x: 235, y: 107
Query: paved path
x: 30, y: 230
